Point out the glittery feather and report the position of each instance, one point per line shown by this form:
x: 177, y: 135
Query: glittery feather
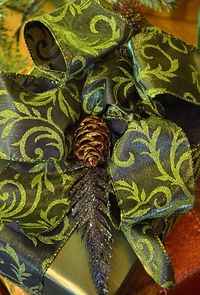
x: 89, y: 210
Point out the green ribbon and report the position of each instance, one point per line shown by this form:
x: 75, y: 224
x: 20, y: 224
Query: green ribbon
x: 150, y: 99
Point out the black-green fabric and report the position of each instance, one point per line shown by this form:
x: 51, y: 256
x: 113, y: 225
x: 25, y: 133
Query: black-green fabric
x: 164, y: 65
x: 75, y: 36
x: 146, y: 87
x: 148, y: 168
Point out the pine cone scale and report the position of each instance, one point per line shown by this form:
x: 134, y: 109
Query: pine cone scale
x: 91, y: 141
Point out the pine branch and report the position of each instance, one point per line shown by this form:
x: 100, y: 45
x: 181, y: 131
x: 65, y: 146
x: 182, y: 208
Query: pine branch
x: 10, y: 58
x: 89, y: 209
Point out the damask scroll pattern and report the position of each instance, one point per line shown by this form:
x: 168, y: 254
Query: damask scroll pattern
x: 110, y: 83
x: 159, y: 66
x: 28, y: 195
x: 151, y: 165
x: 24, y: 263
x: 81, y: 41
x: 19, y: 270
x: 41, y: 136
x: 147, y: 168
x: 150, y: 252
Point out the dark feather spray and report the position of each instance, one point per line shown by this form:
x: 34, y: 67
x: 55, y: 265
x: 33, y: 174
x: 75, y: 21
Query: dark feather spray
x: 89, y: 197
x: 89, y: 211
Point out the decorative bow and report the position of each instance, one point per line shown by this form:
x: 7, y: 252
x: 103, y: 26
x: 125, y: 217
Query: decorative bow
x: 146, y: 87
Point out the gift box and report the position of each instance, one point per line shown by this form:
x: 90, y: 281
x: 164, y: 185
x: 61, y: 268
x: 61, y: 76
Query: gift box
x: 69, y: 272
x: 94, y: 139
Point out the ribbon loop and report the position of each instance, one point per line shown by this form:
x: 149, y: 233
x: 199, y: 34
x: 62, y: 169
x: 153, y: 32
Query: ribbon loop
x: 33, y: 122
x: 160, y: 67
x: 110, y: 83
x: 74, y: 36
x: 28, y: 195
x: 152, y: 171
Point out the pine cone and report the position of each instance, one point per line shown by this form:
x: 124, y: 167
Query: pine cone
x: 130, y: 9
x: 91, y: 141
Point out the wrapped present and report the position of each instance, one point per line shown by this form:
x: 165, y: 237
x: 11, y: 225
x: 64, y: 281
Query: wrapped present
x: 69, y: 272
x: 95, y: 138
x: 74, y: 276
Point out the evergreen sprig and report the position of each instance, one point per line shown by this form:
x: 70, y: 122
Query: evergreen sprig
x: 89, y: 199
x: 10, y: 57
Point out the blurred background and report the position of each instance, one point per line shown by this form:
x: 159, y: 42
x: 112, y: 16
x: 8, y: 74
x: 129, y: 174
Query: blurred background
x: 181, y: 22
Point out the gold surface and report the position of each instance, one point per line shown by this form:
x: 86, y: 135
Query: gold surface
x: 70, y: 270
x: 69, y: 273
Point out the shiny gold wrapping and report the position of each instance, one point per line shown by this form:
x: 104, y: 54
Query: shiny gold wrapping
x: 70, y: 274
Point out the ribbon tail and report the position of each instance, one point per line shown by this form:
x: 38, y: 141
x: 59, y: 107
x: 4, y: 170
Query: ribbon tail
x: 151, y: 253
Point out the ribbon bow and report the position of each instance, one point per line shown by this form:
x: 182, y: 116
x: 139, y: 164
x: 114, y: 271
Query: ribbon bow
x: 147, y: 89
